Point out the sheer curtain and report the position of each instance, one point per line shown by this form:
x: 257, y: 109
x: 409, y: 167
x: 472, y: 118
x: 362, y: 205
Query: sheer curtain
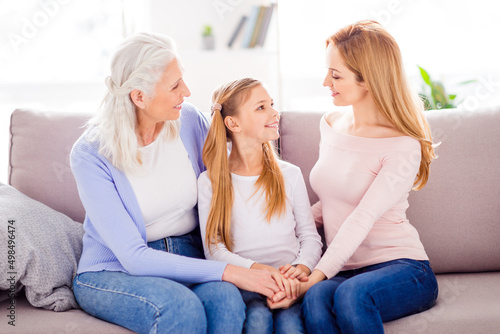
x: 453, y: 40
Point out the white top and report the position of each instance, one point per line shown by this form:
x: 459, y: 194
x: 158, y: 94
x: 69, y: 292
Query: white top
x: 165, y: 188
x: 290, y: 238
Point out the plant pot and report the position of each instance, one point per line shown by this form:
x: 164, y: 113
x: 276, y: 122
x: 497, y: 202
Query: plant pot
x: 208, y: 42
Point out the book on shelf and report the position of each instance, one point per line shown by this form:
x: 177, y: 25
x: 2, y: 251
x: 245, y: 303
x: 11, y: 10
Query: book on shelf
x: 252, y: 20
x: 239, y: 28
x: 265, y: 25
x: 254, y: 27
x: 258, y: 26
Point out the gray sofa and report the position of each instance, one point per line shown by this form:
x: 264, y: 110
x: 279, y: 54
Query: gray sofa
x: 457, y: 214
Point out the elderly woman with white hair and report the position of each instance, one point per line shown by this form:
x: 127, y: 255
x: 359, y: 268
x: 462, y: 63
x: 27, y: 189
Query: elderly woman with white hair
x: 136, y: 168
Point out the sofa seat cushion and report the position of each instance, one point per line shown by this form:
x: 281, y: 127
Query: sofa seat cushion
x: 36, y: 320
x: 467, y: 303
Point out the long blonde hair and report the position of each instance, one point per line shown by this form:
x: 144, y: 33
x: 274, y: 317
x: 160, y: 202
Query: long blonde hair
x: 373, y: 55
x: 138, y: 63
x: 215, y: 157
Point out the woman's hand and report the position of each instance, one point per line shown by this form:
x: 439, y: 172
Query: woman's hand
x: 280, y: 300
x: 284, y: 300
x: 291, y: 291
x: 299, y: 272
x: 284, y: 303
x: 289, y: 286
x: 315, y: 277
x: 254, y: 280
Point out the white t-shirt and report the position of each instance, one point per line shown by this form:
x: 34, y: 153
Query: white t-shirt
x: 290, y: 238
x: 165, y: 188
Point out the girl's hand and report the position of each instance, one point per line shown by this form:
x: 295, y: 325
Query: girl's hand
x: 278, y: 278
x: 299, y: 272
x: 291, y: 290
x: 259, y: 281
x: 279, y: 300
x: 289, y: 285
x: 284, y: 303
x: 294, y: 288
x: 282, y: 300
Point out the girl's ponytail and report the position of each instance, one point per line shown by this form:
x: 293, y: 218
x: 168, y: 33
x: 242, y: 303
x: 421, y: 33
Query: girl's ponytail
x: 216, y: 161
x: 272, y: 181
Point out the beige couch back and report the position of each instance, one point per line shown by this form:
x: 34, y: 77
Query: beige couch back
x: 40, y: 143
x: 457, y: 213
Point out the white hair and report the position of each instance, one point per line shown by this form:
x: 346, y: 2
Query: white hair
x: 138, y: 63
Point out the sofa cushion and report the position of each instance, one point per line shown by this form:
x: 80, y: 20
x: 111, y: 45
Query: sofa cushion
x: 457, y: 212
x: 467, y: 303
x: 42, y: 248
x: 31, y: 320
x: 40, y: 143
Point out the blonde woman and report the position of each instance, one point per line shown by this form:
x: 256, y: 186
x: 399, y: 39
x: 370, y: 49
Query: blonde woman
x: 254, y: 208
x: 136, y: 167
x: 375, y: 268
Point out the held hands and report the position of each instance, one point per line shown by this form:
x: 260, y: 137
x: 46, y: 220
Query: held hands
x: 281, y: 300
x: 299, y: 272
x: 265, y: 280
x: 287, y: 279
x: 259, y: 281
x: 291, y: 279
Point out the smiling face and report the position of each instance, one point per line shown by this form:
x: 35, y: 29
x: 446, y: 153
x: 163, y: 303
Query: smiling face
x: 256, y: 118
x: 169, y: 94
x: 344, y: 87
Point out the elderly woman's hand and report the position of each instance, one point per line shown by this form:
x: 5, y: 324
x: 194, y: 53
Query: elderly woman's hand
x: 254, y: 280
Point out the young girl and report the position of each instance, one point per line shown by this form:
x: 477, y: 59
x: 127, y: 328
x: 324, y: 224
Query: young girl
x: 254, y: 209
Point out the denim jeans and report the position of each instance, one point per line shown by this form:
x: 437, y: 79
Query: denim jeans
x: 262, y: 320
x: 146, y: 304
x: 359, y: 301
x: 188, y: 244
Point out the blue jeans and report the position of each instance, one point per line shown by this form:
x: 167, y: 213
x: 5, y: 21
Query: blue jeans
x: 262, y: 320
x: 188, y: 244
x: 146, y: 304
x: 359, y: 301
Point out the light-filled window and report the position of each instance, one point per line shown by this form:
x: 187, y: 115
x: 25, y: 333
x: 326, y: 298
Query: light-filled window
x: 54, y: 55
x: 454, y: 41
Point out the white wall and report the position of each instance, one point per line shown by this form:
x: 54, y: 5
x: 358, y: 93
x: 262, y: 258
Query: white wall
x: 205, y: 70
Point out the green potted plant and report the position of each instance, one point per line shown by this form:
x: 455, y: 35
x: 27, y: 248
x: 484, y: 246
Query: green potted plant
x: 208, y: 39
x: 434, y: 94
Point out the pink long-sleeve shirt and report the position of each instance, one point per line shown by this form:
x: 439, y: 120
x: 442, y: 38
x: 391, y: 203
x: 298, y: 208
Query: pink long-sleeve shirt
x: 363, y: 186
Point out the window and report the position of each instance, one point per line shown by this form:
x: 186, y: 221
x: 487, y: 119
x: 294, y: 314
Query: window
x: 453, y: 40
x: 55, y: 54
